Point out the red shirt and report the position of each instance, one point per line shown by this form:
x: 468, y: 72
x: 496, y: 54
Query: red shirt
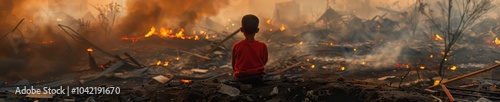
x: 248, y: 59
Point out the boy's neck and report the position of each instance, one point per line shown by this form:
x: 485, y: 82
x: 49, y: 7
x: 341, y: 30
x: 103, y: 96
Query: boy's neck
x: 249, y: 37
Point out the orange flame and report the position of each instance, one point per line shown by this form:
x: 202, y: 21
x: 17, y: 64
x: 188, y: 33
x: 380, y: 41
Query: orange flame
x: 180, y: 34
x: 151, y: 32
x: 268, y: 21
x: 453, y: 68
x: 422, y: 67
x: 90, y: 50
x: 165, y: 64
x: 497, y: 41
x: 196, y: 37
x: 438, y: 37
x: 282, y: 28
x: 342, y: 68
x: 158, y: 63
x: 186, y: 81
x: 312, y: 66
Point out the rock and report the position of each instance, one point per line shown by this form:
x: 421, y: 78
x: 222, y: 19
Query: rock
x: 274, y: 92
x: 218, y: 52
x: 162, y: 79
x: 228, y: 90
x: 483, y: 100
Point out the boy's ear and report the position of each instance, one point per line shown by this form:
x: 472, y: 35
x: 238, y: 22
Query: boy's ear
x: 242, y: 30
x: 257, y: 31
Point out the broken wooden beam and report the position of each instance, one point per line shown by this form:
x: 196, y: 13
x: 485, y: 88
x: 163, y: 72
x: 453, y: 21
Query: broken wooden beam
x: 197, y: 55
x: 222, y: 42
x: 13, y: 29
x: 467, y: 75
x: 133, y: 59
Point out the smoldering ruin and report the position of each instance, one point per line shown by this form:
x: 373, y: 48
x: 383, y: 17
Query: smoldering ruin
x: 319, y: 50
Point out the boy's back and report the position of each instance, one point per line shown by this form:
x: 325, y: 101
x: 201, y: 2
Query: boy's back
x: 249, y: 58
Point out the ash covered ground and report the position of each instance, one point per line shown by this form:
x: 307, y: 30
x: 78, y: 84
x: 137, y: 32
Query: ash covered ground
x: 179, y: 50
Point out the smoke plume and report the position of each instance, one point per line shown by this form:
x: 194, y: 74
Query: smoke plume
x: 141, y: 15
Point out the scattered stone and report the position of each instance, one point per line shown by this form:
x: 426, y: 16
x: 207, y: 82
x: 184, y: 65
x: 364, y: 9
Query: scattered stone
x: 483, y: 100
x: 198, y: 70
x: 275, y: 91
x: 228, y: 90
x: 162, y: 79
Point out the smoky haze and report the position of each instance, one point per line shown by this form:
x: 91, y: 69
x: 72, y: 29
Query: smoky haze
x: 141, y: 15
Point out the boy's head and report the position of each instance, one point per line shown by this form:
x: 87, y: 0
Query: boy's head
x: 249, y: 24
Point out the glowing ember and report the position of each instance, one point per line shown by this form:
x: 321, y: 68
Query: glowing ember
x: 271, y: 30
x: 308, y: 60
x: 300, y: 43
x: 206, y: 36
x: 202, y: 32
x: 446, y: 59
x: 58, y: 19
x: 158, y: 63
x: 165, y: 64
x: 196, y: 37
x: 438, y: 37
x: 100, y: 66
x: 342, y: 68
x: 363, y: 63
x: 354, y: 49
x: 312, y: 66
x: 431, y: 56
x: 151, y: 32
x: 453, y: 68
x: 331, y: 43
x: 497, y: 41
x: 268, y: 21
x: 232, y: 24
x: 90, y: 50
x: 186, y: 81
x: 436, y: 82
x: 177, y: 58
x: 407, y: 66
x: 422, y: 67
x: 282, y: 28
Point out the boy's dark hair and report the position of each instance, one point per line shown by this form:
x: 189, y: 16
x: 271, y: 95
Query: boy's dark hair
x: 250, y: 24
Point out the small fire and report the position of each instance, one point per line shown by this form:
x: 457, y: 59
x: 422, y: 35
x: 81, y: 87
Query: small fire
x: 453, y: 68
x: 354, y: 49
x: 422, y: 67
x: 186, y: 81
x: 312, y: 66
x: 431, y: 56
x: 165, y: 63
x: 180, y: 34
x: 271, y: 30
x: 407, y: 66
x: 282, y: 28
x: 202, y: 32
x: 497, y: 41
x: 331, y: 43
x: 436, y: 82
x: 232, y: 24
x: 151, y: 32
x: 268, y: 21
x: 90, y: 50
x: 158, y: 63
x: 363, y: 63
x: 438, y: 37
x: 177, y: 58
x: 300, y: 43
x: 164, y: 32
x: 196, y: 37
x: 100, y: 66
x: 446, y: 59
x: 207, y: 37
x: 342, y: 68
x: 308, y: 60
